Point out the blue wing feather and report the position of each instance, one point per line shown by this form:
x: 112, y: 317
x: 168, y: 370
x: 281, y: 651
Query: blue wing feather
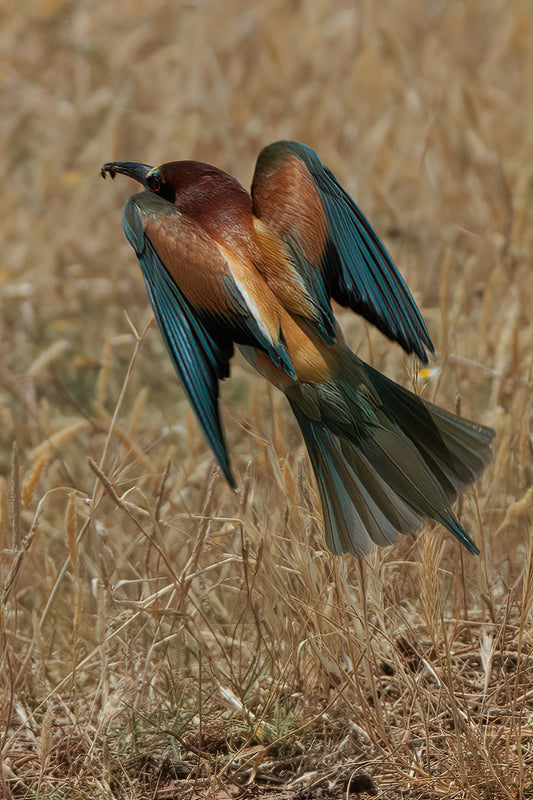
x: 369, y: 281
x: 199, y: 360
x: 360, y: 271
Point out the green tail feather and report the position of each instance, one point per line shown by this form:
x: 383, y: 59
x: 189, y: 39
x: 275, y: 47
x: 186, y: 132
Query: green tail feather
x: 384, y: 459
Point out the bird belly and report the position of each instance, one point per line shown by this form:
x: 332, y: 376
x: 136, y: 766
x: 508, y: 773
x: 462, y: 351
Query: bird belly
x: 313, y: 361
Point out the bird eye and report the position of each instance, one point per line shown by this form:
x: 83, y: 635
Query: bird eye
x: 161, y: 187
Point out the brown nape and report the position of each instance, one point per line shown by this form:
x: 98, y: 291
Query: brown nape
x: 212, y: 197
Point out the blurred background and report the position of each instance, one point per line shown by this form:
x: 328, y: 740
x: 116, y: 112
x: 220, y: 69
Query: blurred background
x: 128, y: 583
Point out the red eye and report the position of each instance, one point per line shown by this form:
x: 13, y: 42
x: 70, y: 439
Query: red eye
x: 155, y: 184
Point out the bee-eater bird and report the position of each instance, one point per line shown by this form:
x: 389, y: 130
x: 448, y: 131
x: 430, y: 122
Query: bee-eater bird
x: 224, y: 267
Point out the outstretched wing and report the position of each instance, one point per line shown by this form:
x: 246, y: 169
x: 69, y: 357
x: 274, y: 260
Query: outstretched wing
x: 205, y: 299
x: 336, y: 251
x: 198, y: 358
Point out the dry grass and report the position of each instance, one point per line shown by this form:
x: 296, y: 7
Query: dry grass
x: 162, y: 636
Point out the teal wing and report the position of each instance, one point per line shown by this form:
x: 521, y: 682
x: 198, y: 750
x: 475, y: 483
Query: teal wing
x: 337, y: 252
x: 199, y: 357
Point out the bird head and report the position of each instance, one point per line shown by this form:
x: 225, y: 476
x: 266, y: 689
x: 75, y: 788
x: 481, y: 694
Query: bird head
x: 155, y: 179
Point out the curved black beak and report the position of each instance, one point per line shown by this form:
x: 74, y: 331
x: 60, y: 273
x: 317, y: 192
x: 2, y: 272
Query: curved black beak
x: 130, y: 168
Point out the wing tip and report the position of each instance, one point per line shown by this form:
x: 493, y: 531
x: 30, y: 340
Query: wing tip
x: 421, y: 350
x: 229, y: 476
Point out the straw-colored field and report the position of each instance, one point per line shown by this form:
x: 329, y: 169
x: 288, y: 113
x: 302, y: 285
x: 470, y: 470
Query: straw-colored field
x: 161, y: 636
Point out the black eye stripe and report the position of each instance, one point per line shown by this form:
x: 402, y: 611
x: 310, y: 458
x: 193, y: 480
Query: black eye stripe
x: 161, y: 187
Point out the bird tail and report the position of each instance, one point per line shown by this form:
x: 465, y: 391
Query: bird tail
x: 384, y: 459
